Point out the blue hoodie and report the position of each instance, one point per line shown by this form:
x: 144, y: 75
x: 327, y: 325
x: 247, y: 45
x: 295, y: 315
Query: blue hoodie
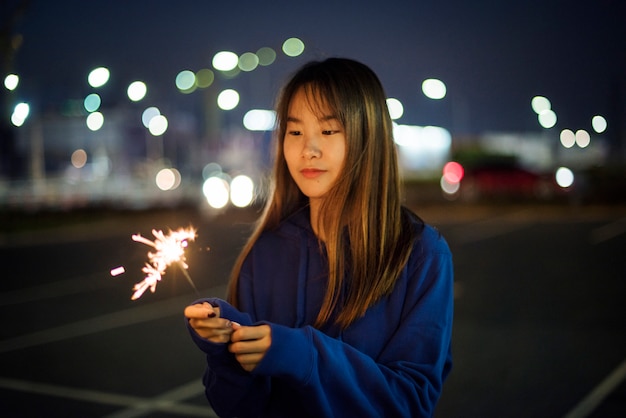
x: 390, y: 363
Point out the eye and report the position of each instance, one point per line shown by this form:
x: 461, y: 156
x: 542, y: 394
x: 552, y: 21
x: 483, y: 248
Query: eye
x: 294, y: 133
x: 329, y: 132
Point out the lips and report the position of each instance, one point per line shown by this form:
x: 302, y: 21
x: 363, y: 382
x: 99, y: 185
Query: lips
x: 311, y: 173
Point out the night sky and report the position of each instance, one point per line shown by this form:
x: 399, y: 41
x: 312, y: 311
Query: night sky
x: 493, y: 55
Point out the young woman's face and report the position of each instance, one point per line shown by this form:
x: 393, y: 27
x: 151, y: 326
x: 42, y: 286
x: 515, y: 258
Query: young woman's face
x: 314, y: 147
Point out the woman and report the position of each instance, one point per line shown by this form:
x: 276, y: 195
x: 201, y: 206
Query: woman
x: 341, y: 302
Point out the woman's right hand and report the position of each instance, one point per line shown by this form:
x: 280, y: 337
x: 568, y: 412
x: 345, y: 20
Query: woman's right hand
x: 205, y: 320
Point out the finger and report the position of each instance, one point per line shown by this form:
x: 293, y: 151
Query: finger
x: 200, y: 311
x: 241, y: 333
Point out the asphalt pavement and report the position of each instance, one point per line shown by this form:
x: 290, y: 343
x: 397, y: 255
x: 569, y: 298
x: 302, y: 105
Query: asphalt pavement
x: 539, y: 313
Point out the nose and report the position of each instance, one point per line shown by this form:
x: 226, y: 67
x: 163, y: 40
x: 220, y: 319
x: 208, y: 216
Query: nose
x: 311, y: 149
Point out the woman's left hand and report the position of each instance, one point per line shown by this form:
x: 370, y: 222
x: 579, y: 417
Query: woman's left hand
x: 249, y: 344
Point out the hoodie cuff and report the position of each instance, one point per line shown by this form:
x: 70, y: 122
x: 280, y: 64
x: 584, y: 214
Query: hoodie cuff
x: 290, y: 356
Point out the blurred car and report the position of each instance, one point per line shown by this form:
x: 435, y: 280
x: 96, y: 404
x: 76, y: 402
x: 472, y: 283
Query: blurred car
x: 506, y: 179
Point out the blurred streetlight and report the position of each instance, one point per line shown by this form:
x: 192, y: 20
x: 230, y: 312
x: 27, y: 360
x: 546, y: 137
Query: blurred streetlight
x: 137, y: 90
x: 11, y: 81
x: 20, y: 113
x: 225, y: 61
x: 434, y: 89
x: 98, y: 77
x: 293, y: 47
x: 228, y: 99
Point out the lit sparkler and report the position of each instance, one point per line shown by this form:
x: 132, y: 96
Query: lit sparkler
x: 170, y: 249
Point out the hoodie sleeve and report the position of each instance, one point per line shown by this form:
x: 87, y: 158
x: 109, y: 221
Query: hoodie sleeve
x: 227, y: 385
x: 405, y: 380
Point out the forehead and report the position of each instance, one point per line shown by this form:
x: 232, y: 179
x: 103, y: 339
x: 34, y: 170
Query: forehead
x: 310, y: 99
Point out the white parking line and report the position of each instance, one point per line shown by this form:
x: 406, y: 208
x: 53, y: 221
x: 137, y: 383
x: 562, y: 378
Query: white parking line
x: 168, y: 402
x: 599, y: 393
x: 167, y: 399
x: 132, y: 316
x: 74, y: 286
x: 608, y: 231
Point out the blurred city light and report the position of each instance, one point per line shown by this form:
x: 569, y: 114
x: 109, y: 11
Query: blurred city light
x: 266, y: 55
x: 20, y: 113
x: 453, y: 172
x: 599, y: 124
x: 136, y: 91
x: 228, y: 99
x: 11, y: 81
x: 215, y: 190
x: 248, y: 61
x: 98, y: 77
x: 582, y: 138
x: 95, y: 121
x: 241, y: 191
x: 211, y: 170
x: 396, y: 110
x: 225, y: 61
x: 422, y: 148
x: 168, y: 179
x: 148, y: 114
x: 568, y: 138
x: 293, y: 47
x: 540, y: 104
x: 447, y: 187
x: 434, y: 88
x: 157, y: 125
x: 92, y: 102
x: 185, y: 80
x: 259, y: 120
x: 204, y: 78
x: 547, y: 118
x: 79, y: 158
x: 564, y: 177
x: 451, y: 179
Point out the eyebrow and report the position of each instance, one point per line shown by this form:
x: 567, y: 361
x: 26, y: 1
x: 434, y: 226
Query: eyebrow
x: 322, y: 119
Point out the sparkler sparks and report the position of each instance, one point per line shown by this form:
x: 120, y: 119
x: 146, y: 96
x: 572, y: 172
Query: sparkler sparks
x: 170, y: 249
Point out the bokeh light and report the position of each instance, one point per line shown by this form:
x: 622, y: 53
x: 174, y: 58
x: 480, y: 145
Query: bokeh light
x: 564, y: 177
x: 293, y: 47
x: 79, y: 158
x: 98, y: 77
x: 447, y: 187
x: 547, y: 119
x: 158, y: 125
x: 241, y: 191
x: 228, y: 99
x: 434, y: 89
x: 20, y: 113
x: 148, y: 114
x: 259, y: 120
x: 11, y: 81
x: 168, y: 179
x: 225, y: 61
x: 211, y: 170
x: 266, y: 55
x: 453, y: 172
x: 568, y: 138
x: 248, y: 61
x: 216, y: 192
x: 583, y: 139
x: 92, y: 102
x: 95, y: 121
x: 396, y: 110
x: 599, y: 124
x: 185, y: 80
x: 137, y: 90
x: 540, y: 104
x: 204, y: 78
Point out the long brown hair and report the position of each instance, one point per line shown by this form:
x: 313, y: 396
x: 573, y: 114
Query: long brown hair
x: 367, y: 233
